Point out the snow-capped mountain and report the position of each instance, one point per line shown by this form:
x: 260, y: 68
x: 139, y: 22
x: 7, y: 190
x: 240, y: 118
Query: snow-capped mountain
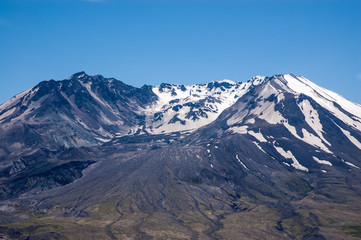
x: 89, y: 110
x: 304, y: 109
x: 298, y: 123
x: 180, y: 161
x: 181, y: 107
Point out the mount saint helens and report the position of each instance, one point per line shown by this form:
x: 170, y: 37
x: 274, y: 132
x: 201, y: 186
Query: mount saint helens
x: 91, y: 157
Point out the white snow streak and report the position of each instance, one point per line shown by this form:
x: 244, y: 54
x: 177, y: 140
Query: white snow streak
x: 313, y: 140
x: 258, y: 136
x: 326, y: 99
x: 350, y: 137
x: 289, y: 155
x: 322, y: 161
x: 312, y: 119
x: 256, y: 143
x: 351, y: 164
x: 241, y: 162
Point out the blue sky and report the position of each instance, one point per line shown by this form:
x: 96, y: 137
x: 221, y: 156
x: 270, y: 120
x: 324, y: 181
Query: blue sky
x: 180, y: 41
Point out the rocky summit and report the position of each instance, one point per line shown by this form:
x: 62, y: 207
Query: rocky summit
x: 91, y: 157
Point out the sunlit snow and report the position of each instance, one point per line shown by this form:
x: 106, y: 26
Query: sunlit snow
x: 326, y: 99
x: 289, y: 155
x: 241, y: 162
x: 258, y: 136
x: 351, y: 164
x: 322, y: 161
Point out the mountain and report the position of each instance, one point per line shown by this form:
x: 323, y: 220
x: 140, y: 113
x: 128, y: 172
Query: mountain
x: 181, y: 108
x: 93, y: 158
x: 81, y: 111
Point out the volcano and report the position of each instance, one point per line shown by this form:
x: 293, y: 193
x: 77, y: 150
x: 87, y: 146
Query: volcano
x: 91, y: 157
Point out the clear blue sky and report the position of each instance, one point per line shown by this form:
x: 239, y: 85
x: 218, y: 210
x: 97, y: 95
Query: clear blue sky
x: 180, y: 41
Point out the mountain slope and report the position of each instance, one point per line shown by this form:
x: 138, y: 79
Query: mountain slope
x: 275, y: 157
x: 275, y: 112
x: 79, y: 111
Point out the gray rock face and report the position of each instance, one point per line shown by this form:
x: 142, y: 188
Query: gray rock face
x: 79, y: 111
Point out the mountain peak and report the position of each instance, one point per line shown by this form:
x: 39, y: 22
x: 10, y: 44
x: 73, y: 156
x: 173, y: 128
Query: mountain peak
x: 257, y: 80
x: 78, y: 75
x: 85, y: 78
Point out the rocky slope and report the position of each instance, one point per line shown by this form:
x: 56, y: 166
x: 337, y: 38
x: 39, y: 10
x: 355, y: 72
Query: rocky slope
x: 275, y: 157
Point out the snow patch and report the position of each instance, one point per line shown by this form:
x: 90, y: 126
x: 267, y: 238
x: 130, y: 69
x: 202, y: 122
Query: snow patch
x: 308, y: 138
x: 313, y: 140
x: 280, y: 97
x: 352, y: 165
x: 240, y: 130
x: 14, y: 100
x: 289, y: 155
x: 312, y: 119
x: 251, y: 121
x: 258, y: 136
x: 192, y: 106
x: 267, y: 112
x: 350, y: 137
x: 322, y: 161
x: 241, y: 162
x: 256, y: 143
x: 326, y: 99
x: 102, y: 139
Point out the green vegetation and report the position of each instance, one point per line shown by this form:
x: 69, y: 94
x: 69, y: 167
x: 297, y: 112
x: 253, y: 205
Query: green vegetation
x: 191, y: 209
x: 354, y: 231
x: 124, y: 220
